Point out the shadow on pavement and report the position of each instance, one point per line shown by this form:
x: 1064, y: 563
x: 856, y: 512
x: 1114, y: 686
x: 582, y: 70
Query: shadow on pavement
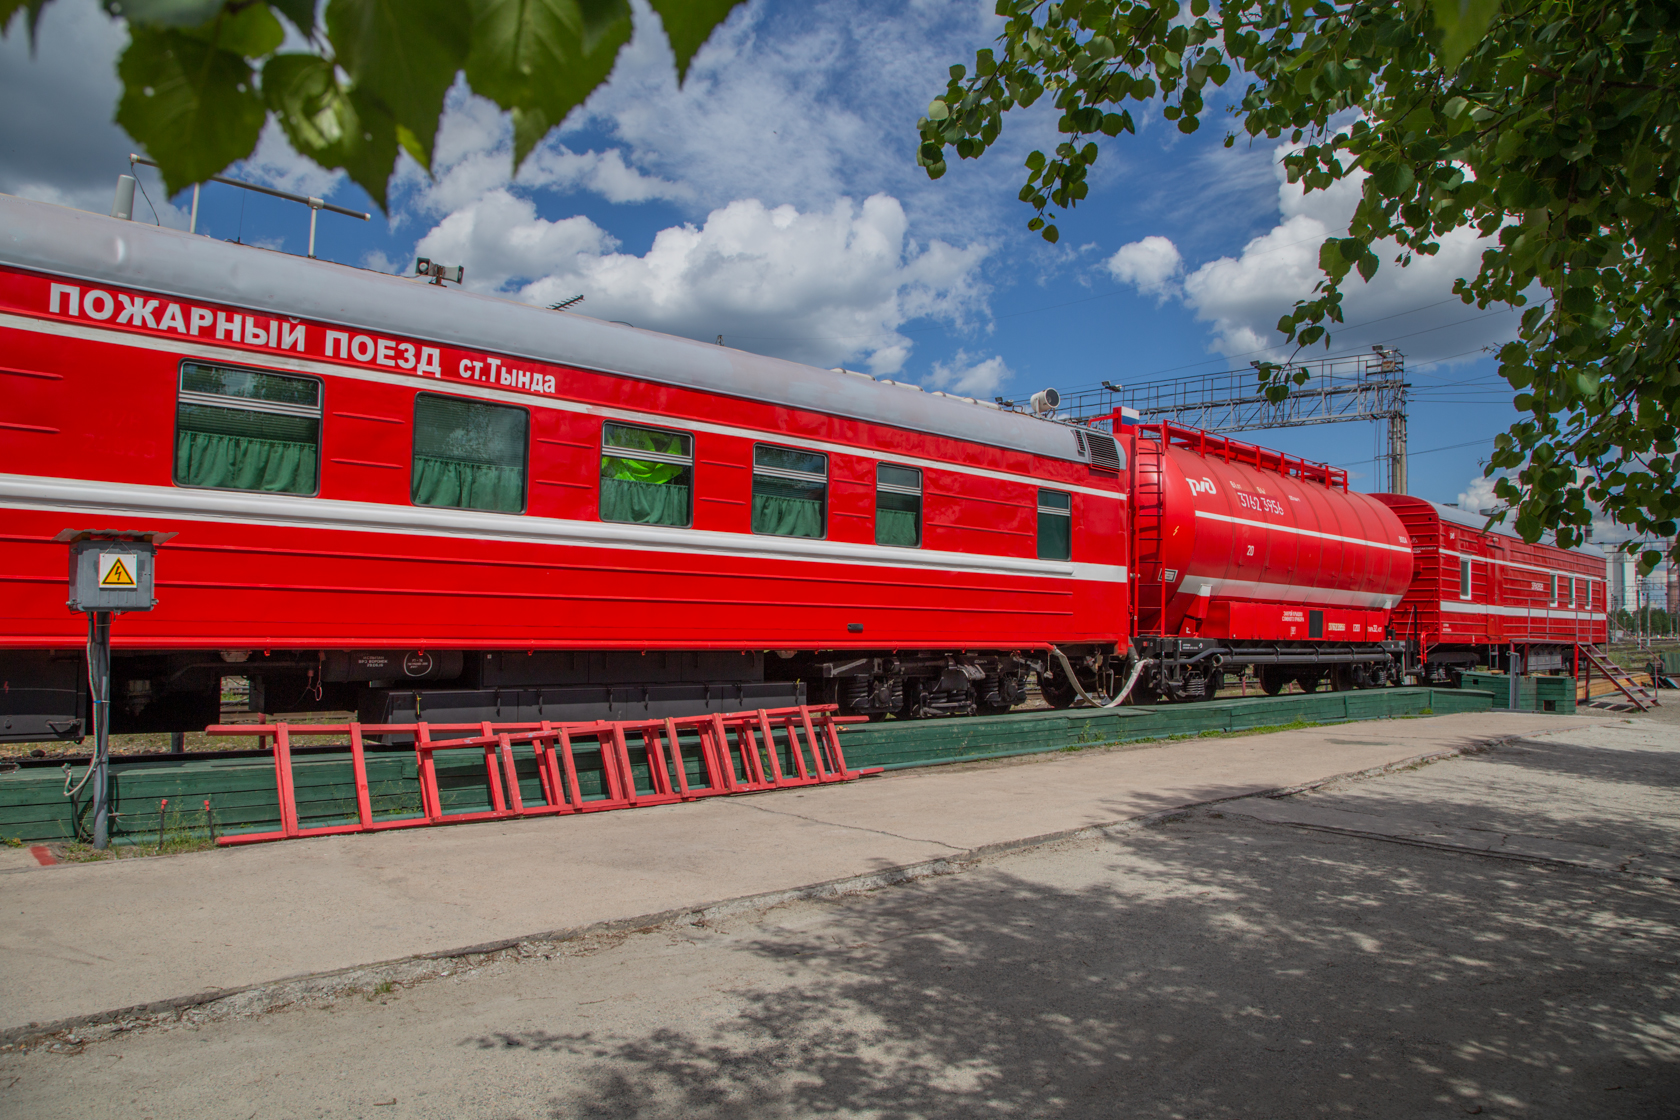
x: 1209, y: 967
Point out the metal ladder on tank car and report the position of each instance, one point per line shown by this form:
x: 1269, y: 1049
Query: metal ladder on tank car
x: 1621, y: 678
x: 1148, y: 512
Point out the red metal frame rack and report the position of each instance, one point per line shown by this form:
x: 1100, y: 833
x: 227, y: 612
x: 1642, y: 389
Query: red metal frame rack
x: 747, y: 764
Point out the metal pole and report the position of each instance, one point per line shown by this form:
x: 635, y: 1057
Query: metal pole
x: 314, y: 210
x: 192, y: 223
x: 1397, y: 452
x: 1511, y: 671
x: 99, y: 681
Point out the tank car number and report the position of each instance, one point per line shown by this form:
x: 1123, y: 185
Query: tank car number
x: 1258, y: 504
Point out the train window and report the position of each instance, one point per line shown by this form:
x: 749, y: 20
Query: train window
x: 1554, y: 601
x: 468, y: 454
x: 647, y: 475
x: 239, y: 429
x: 1572, y: 592
x: 1464, y: 577
x: 898, y: 506
x: 1055, y: 525
x: 789, y: 492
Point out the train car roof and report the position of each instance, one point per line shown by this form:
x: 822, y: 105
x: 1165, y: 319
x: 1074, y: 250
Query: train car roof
x: 1479, y: 523
x: 43, y: 237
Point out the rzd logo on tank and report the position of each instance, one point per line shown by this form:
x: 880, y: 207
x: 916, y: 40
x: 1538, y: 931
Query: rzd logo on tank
x: 1202, y: 486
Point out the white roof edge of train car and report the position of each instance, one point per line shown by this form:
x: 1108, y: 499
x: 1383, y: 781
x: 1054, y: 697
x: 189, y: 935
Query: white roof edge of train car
x: 1476, y: 521
x: 93, y: 248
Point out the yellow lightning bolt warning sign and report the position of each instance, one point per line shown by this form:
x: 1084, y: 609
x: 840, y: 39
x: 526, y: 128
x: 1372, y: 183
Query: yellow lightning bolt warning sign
x: 116, y: 569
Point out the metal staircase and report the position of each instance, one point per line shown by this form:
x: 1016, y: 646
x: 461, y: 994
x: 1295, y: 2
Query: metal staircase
x: 1636, y: 693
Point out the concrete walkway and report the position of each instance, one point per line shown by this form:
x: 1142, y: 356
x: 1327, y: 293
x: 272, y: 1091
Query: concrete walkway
x: 85, y: 939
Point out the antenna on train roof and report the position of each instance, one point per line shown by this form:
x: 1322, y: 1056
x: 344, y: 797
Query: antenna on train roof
x: 565, y: 303
x: 315, y: 205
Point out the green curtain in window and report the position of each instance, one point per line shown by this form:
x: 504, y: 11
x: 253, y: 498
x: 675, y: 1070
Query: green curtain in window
x: 900, y: 527
x: 785, y: 508
x: 451, y: 482
x: 230, y: 462
x: 1055, y: 537
x: 787, y: 517
x: 644, y: 503
x: 468, y: 455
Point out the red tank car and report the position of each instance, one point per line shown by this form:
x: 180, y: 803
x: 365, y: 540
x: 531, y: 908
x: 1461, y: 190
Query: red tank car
x: 1479, y: 594
x: 1249, y: 557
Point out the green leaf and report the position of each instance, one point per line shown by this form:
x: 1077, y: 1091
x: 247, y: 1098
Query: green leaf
x: 330, y: 125
x: 251, y: 31
x: 32, y: 9
x: 193, y: 107
x: 1462, y: 24
x: 937, y: 110
x: 688, y: 24
x: 528, y: 56
x: 404, y: 55
x: 165, y: 13
x: 300, y: 12
x: 1367, y: 265
x: 1393, y: 179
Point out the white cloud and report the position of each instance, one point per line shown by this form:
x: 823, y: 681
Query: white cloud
x: 1151, y: 266
x: 1411, y: 308
x: 603, y: 173
x: 277, y: 164
x: 1479, y: 495
x: 58, y: 142
x: 969, y: 377
x: 504, y: 244
x: 821, y: 287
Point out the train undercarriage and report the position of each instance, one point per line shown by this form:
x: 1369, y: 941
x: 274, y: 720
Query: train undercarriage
x: 1179, y: 669
x: 46, y: 691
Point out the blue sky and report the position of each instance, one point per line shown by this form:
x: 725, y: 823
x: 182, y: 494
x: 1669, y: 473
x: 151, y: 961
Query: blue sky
x: 775, y: 200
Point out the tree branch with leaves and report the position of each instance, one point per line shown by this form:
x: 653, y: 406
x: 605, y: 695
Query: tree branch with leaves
x: 201, y: 77
x: 1548, y: 127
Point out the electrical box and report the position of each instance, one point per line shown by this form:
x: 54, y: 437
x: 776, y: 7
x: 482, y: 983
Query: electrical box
x: 112, y: 573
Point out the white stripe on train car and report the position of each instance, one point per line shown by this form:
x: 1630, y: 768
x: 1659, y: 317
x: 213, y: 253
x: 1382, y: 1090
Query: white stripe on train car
x: 70, y: 495
x: 1300, y: 532
x: 1290, y: 593
x: 193, y: 349
x: 1452, y: 607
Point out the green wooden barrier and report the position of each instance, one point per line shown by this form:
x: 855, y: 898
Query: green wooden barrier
x: 242, y: 796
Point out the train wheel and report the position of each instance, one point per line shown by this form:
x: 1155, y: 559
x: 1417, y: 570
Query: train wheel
x: 1056, y: 692
x: 1341, y: 678
x: 1308, y: 681
x: 1272, y: 681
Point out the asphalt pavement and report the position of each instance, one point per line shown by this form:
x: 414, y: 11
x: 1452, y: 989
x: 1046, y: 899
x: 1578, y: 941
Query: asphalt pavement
x: 1494, y: 933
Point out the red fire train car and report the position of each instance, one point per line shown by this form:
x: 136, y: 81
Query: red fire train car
x: 1478, y: 594
x: 1248, y: 557
x: 410, y: 500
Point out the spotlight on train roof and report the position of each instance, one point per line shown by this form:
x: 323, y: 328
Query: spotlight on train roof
x: 1045, y: 400
x: 440, y: 272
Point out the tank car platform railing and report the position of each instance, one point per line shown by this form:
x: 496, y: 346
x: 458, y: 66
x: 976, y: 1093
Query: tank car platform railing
x: 740, y: 752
